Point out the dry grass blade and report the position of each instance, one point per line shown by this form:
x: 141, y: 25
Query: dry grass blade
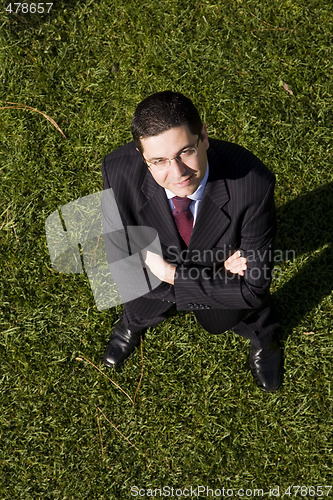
x: 268, y: 24
x: 287, y: 89
x: 29, y: 108
x: 7, y: 224
x: 116, y: 428
x: 4, y: 222
x: 15, y: 233
x: 137, y: 389
x: 273, y: 27
x: 114, y: 383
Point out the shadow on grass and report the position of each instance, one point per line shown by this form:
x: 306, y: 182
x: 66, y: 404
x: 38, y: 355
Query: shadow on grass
x: 304, y: 226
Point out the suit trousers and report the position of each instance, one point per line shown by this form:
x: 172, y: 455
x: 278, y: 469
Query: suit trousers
x: 259, y: 325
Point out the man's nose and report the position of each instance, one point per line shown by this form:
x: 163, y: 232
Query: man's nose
x: 179, y: 168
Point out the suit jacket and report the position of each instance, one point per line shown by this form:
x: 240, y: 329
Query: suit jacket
x: 236, y: 212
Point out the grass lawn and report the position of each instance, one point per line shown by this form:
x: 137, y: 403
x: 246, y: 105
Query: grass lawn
x: 261, y: 76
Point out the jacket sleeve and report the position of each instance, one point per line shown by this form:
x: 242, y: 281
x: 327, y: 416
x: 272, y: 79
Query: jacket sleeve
x: 198, y: 287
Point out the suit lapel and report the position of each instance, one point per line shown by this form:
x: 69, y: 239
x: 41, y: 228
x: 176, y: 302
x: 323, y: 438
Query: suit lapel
x: 211, y: 221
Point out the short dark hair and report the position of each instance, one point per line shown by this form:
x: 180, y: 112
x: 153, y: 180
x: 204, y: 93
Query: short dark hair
x: 162, y: 111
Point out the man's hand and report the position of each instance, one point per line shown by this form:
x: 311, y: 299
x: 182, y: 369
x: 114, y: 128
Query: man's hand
x: 236, y: 264
x: 160, y: 267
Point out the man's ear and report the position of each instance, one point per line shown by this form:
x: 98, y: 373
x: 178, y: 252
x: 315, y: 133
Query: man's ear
x: 138, y: 150
x: 204, y: 136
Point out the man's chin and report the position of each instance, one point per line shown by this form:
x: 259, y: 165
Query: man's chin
x: 185, y: 188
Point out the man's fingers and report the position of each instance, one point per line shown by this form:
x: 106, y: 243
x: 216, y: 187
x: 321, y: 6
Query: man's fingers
x: 234, y: 256
x: 236, y: 264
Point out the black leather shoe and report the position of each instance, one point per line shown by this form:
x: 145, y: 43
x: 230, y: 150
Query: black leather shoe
x: 120, y: 346
x: 266, y: 366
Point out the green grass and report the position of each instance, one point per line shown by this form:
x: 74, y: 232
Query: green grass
x: 198, y: 419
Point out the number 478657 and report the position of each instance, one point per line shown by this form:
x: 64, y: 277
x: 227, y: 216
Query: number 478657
x: 31, y: 8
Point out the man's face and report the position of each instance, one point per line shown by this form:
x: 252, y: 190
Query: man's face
x: 179, y: 177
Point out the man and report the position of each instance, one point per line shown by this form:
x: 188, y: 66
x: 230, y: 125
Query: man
x: 212, y: 205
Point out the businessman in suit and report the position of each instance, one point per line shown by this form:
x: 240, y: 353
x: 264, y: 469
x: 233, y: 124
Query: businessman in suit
x: 212, y: 204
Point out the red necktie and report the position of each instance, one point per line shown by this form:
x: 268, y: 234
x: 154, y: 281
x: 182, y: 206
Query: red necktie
x: 183, y: 217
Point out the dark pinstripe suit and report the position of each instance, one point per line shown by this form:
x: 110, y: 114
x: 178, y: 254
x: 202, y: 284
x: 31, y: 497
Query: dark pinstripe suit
x: 236, y: 212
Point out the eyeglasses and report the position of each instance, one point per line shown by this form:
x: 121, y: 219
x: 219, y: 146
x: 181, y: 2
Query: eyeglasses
x: 183, y: 156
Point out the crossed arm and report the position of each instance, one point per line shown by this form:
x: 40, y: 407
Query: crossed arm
x: 245, y: 281
x: 165, y: 271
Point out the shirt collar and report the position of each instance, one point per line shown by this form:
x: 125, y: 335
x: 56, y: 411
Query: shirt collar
x: 198, y: 193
